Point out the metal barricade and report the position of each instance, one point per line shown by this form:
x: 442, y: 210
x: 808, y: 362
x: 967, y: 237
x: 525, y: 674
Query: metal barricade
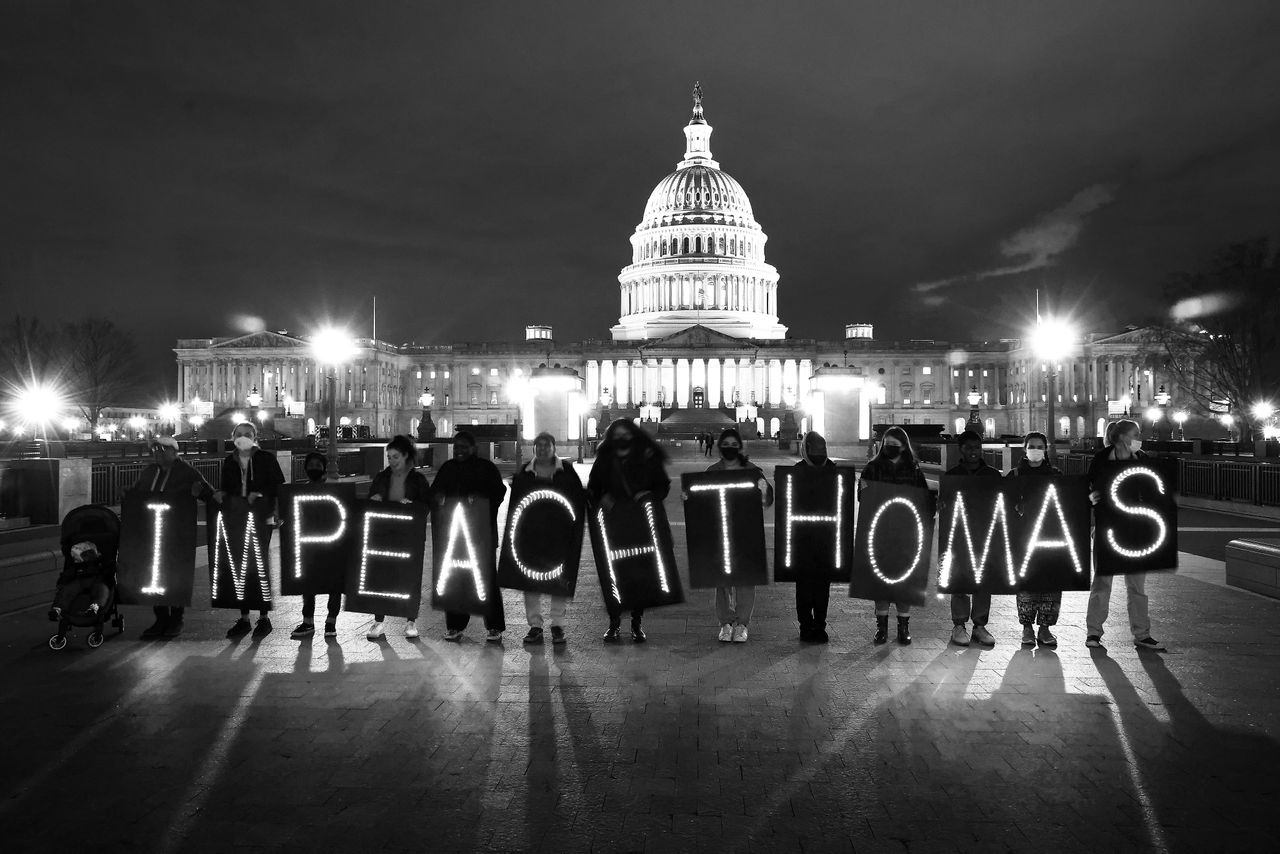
x: 1197, y: 478
x: 1268, y: 487
x: 1236, y: 482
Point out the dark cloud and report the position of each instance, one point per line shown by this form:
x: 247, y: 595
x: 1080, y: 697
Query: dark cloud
x: 481, y: 166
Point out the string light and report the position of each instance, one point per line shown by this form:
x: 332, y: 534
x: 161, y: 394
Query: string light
x: 154, y: 588
x: 319, y: 539
x: 523, y: 505
x: 366, y: 553
x: 871, y: 539
x: 960, y: 520
x: 612, y: 556
x: 723, y: 489
x: 239, y: 569
x: 1051, y: 496
x: 795, y: 519
x: 458, y: 523
x: 1154, y: 516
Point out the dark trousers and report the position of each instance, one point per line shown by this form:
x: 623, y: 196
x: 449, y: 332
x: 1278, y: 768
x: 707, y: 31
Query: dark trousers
x: 309, y: 606
x: 811, y: 603
x: 167, y: 614
x: 615, y: 614
x: 494, y: 620
x: 91, y: 584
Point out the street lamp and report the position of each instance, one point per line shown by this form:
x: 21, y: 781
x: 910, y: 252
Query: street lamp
x: 332, y: 348
x: 138, y: 423
x: 1228, y: 420
x: 1052, y: 340
x: 1181, y: 418
x: 38, y: 406
x: 254, y: 399
x: 426, y: 427
x: 196, y: 421
x: 170, y: 413
x: 1154, y: 414
x: 975, y: 420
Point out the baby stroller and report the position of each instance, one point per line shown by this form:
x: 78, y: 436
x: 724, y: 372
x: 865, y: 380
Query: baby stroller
x: 90, y: 544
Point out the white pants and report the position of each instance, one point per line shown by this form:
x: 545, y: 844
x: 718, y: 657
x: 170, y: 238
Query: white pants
x: 1100, y: 603
x: 533, y: 609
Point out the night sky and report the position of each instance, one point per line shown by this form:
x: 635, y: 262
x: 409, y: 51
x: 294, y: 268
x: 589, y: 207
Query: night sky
x: 185, y: 168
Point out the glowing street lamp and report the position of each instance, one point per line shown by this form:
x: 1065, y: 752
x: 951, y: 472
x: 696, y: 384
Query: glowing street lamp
x: 1181, y: 418
x: 332, y: 348
x: 254, y: 399
x: 975, y: 419
x: 263, y: 415
x: 237, y: 417
x: 137, y: 423
x: 1154, y: 414
x: 39, y: 405
x: 426, y: 426
x: 1051, y: 341
x: 196, y: 421
x: 170, y: 413
x: 1262, y: 410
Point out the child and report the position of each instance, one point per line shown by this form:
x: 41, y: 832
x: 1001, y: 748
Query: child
x: 84, y: 574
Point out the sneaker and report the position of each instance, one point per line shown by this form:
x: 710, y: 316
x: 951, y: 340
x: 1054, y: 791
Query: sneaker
x: 453, y: 635
x: 982, y: 636
x: 739, y: 634
x: 534, y: 636
x: 557, y: 634
x: 1028, y: 635
x: 960, y: 635
x: 1093, y: 642
x: 494, y: 636
x: 240, y: 628
x: 304, y: 630
x: 331, y: 630
x: 376, y: 631
x: 1046, y: 637
x: 173, y: 628
x: 1149, y: 643
x: 154, y: 630
x: 411, y: 629
x: 726, y: 633
x: 263, y: 628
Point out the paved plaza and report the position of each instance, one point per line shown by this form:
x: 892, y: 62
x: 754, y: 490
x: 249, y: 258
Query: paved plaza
x: 681, y: 744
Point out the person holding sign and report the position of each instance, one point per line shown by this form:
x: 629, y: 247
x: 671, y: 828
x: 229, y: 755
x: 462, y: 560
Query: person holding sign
x: 253, y: 474
x: 734, y: 604
x: 1125, y: 443
x: 463, y: 476
x: 629, y: 466
x: 1037, y: 608
x: 399, y: 483
x: 546, y: 467
x: 813, y: 591
x: 316, y: 465
x: 895, y: 463
x: 979, y: 607
x: 169, y: 474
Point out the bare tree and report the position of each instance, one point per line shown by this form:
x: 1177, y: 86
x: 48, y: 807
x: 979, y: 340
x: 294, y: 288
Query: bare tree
x: 1222, y: 336
x: 29, y: 353
x: 101, y: 366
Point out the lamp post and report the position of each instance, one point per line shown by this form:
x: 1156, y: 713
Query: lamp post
x: 1228, y: 420
x: 1162, y: 399
x: 1181, y: 418
x: 254, y: 399
x: 975, y: 420
x: 1050, y: 341
x: 170, y: 414
x: 332, y: 348
x: 1153, y: 414
x: 426, y: 427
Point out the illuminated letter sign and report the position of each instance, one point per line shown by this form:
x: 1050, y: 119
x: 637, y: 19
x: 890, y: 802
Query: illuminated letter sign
x: 1137, y: 521
x: 238, y: 572
x: 542, y: 544
x: 895, y: 528
x: 462, y: 543
x: 1057, y: 506
x: 318, y: 538
x: 812, y: 518
x: 724, y: 527
x: 157, y: 558
x: 387, y: 577
x: 985, y: 504
x: 634, y: 556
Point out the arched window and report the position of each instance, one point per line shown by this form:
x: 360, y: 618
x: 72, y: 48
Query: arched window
x: 722, y: 244
x: 733, y: 246
x: 697, y: 244
x: 664, y: 248
x: 686, y: 246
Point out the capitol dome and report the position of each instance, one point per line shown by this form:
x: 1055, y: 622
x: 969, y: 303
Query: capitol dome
x: 698, y: 254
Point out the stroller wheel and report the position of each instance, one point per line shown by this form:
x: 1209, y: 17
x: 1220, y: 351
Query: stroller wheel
x: 95, y: 639
x: 57, y: 642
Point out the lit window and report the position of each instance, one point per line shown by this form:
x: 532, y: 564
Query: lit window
x: 419, y: 374
x: 926, y: 401
x: 432, y: 375
x: 984, y: 373
x: 493, y: 372
x: 927, y: 371
x: 475, y: 372
x: 906, y: 401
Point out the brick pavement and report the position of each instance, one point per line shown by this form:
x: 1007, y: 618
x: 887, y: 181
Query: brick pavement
x: 683, y: 744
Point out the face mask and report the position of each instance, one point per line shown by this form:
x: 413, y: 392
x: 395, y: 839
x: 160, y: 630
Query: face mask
x: 622, y: 444
x: 315, y: 475
x: 1135, y: 445
x: 730, y: 453
x: 891, y: 452
x: 243, y: 443
x: 1035, y: 456
x: 818, y: 459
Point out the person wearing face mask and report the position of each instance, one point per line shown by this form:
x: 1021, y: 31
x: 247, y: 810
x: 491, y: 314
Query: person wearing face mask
x: 962, y: 605
x: 629, y: 466
x: 1124, y: 444
x: 316, y: 466
x: 1037, y: 608
x: 466, y: 475
x: 544, y: 468
x: 894, y: 463
x: 169, y: 474
x: 813, y: 590
x: 400, y: 483
x: 253, y: 474
x: 734, y: 604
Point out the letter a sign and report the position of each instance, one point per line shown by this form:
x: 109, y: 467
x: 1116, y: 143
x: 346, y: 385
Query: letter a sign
x: 462, y: 542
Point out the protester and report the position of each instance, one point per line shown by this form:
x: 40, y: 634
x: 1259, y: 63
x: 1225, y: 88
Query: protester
x: 316, y: 465
x: 1124, y: 443
x: 979, y: 609
x: 169, y: 474
x: 399, y: 483
x: 467, y: 475
x: 253, y: 474
x: 895, y: 463
x: 546, y: 468
x: 629, y: 466
x: 813, y: 587
x: 708, y: 441
x: 1037, y: 608
x: 734, y: 603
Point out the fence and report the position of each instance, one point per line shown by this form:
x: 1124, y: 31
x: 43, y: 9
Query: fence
x: 110, y: 480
